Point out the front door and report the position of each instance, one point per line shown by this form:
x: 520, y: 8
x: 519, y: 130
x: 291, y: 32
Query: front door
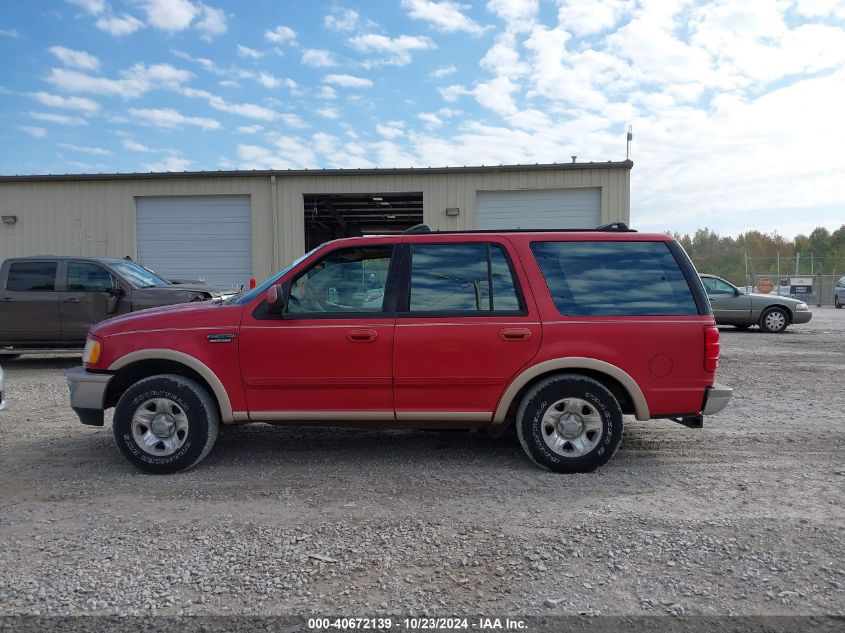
x: 29, y: 303
x: 329, y: 357
x: 85, y: 300
x: 729, y: 305
x: 464, y: 328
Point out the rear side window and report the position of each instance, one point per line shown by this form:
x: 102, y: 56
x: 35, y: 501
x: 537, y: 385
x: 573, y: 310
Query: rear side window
x: 472, y: 277
x: 614, y: 278
x: 32, y: 276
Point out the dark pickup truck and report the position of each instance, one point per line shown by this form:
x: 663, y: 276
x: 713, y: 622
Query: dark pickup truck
x: 48, y: 303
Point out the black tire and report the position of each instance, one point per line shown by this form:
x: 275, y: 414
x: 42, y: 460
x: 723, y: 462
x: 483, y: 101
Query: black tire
x: 191, y: 400
x: 836, y: 302
x: 766, y: 327
x: 548, y: 392
x: 742, y: 326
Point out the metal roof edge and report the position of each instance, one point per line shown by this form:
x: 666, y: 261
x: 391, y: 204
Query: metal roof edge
x: 395, y: 171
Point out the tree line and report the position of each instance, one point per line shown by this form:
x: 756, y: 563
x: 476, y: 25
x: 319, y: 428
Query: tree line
x: 820, y: 251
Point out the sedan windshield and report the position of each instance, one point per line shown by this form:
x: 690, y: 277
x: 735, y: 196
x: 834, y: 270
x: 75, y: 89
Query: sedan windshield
x: 138, y: 275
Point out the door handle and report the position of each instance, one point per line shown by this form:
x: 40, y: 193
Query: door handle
x: 362, y: 336
x: 72, y: 300
x: 515, y: 334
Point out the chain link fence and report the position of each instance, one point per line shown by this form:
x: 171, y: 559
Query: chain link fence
x: 816, y: 290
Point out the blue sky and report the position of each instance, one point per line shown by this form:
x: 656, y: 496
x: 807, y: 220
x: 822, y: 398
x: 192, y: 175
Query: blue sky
x: 736, y: 105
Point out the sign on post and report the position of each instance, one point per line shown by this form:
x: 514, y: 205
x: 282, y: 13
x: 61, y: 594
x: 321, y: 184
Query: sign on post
x: 801, y: 285
x: 765, y: 285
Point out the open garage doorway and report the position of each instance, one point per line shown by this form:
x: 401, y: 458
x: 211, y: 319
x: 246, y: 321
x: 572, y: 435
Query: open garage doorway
x: 330, y: 216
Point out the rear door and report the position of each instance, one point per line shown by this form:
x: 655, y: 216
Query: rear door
x: 29, y: 303
x: 85, y: 298
x: 463, y: 329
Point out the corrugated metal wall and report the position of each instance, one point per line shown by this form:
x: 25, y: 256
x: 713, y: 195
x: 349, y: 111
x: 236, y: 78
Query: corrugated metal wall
x: 97, y: 217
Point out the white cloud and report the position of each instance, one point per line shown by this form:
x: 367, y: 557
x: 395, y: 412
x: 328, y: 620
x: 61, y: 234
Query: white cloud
x: 37, y: 132
x: 170, y: 118
x: 327, y: 92
x: 133, y: 83
x: 69, y: 103
x: 246, y: 51
x: 391, y: 129
x: 444, y: 15
x: 288, y: 152
x: 11, y: 33
x: 212, y: 22
x: 96, y: 151
x: 394, y: 51
x: 519, y: 15
x: 75, y: 59
x: 171, y: 163
x: 94, y: 7
x: 119, y: 25
x: 341, y: 20
x: 250, y: 129
x: 451, y: 93
x: 61, y: 119
x: 280, y: 35
x: 318, y: 58
x: 170, y: 15
x: 328, y: 113
x: 348, y: 81
x: 268, y: 81
x: 587, y: 18
x: 430, y: 118
x: 134, y: 146
x: 444, y: 71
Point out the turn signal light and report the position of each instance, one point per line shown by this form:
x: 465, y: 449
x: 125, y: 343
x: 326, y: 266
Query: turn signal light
x: 91, y: 353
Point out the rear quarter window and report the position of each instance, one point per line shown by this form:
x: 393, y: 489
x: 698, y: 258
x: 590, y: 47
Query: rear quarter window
x: 614, y: 278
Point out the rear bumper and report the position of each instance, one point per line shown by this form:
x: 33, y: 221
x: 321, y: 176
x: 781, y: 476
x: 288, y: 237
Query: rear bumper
x: 716, y: 398
x: 87, y: 394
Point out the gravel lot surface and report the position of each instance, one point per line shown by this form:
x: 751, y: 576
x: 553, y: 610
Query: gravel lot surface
x: 744, y: 516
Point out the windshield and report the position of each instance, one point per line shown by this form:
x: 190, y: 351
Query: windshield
x: 260, y: 290
x: 138, y: 275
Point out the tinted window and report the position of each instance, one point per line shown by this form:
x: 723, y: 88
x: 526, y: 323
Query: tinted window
x: 348, y: 280
x: 32, y: 276
x: 458, y: 277
x: 88, y: 278
x: 614, y: 278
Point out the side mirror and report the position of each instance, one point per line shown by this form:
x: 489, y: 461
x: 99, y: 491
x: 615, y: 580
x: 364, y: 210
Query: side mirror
x: 277, y: 298
x: 114, y: 297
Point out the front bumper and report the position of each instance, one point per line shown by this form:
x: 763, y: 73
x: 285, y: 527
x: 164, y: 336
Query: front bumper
x: 716, y: 398
x: 801, y: 316
x: 87, y: 394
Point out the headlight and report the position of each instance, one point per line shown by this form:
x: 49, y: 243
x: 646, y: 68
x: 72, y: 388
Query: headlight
x: 91, y: 353
x: 803, y: 307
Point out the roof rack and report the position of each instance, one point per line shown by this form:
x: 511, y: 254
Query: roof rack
x: 614, y: 226
x: 418, y: 228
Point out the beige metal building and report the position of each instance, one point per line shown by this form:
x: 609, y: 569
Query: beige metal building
x: 230, y: 226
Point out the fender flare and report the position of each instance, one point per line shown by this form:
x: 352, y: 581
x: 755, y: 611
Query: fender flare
x: 201, y: 368
x: 573, y: 362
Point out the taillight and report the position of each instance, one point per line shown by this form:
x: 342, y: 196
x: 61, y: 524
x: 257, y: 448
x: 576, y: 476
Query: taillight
x: 711, y: 348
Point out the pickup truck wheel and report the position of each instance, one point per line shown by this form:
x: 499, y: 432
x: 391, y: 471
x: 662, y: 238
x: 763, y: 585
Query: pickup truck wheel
x: 774, y: 320
x: 164, y: 424
x: 569, y: 424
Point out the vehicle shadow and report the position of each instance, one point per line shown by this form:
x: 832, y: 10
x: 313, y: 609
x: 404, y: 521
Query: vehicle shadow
x: 65, y: 361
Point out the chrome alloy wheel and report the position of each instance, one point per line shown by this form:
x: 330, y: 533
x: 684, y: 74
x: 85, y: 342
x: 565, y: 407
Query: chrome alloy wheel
x: 775, y: 320
x: 159, y: 427
x: 572, y: 427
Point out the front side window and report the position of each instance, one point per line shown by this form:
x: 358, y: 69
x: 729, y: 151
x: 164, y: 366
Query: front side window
x: 472, y: 277
x: 614, y: 278
x: 83, y: 277
x: 32, y: 276
x: 347, y: 280
x: 717, y: 286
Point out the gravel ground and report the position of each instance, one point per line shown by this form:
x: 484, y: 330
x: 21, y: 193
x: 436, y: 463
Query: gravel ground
x: 742, y: 517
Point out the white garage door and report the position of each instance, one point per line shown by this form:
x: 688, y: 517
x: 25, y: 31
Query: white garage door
x: 538, y: 209
x: 192, y: 237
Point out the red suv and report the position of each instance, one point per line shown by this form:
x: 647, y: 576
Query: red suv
x: 558, y: 332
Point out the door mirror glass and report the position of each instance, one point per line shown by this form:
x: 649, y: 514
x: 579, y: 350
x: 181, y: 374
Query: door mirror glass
x: 111, y: 303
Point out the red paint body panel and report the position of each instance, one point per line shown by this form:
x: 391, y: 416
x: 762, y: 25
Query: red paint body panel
x: 420, y: 364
